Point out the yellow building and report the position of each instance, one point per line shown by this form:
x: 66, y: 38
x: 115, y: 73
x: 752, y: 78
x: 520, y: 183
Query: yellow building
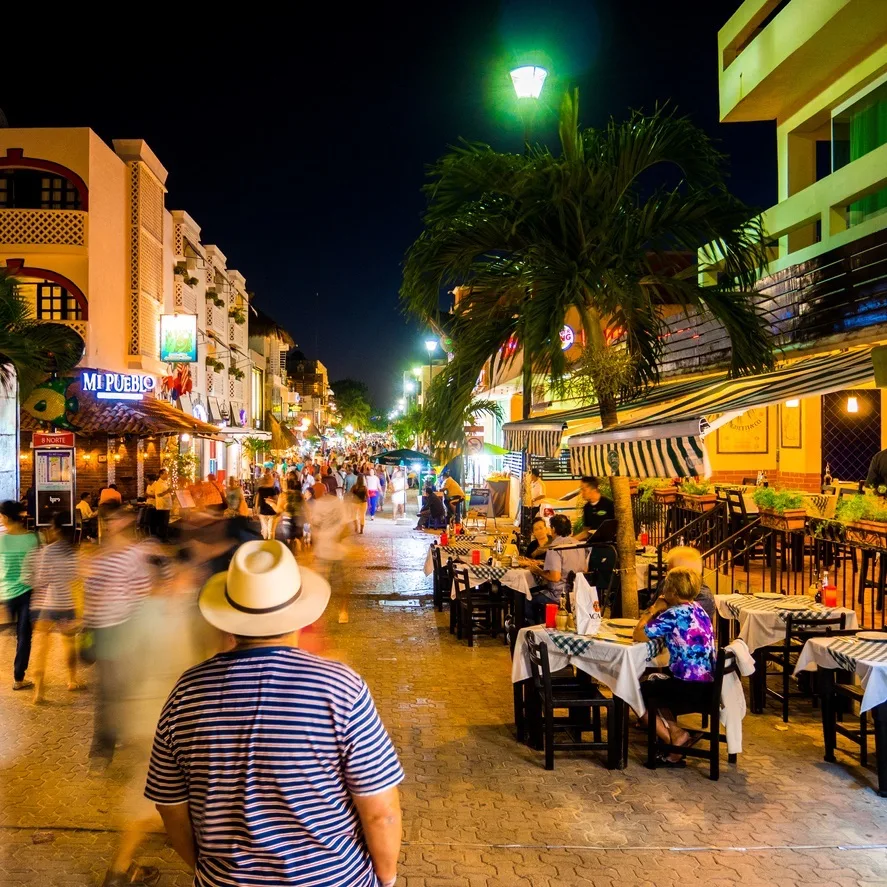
x: 818, y: 68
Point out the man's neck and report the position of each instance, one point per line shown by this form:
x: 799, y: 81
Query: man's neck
x: 287, y: 640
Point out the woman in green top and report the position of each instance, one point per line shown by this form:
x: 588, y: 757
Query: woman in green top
x: 15, y: 588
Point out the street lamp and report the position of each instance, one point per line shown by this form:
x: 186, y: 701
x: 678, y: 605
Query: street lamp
x: 528, y: 81
x: 431, y: 346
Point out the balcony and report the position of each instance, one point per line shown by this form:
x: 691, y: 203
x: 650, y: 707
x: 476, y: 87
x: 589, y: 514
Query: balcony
x: 823, y: 215
x: 775, y: 55
x: 42, y: 227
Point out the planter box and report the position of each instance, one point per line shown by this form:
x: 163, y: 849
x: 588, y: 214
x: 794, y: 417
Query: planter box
x: 666, y: 497
x: 633, y: 488
x: 705, y: 502
x: 790, y: 519
x: 868, y: 532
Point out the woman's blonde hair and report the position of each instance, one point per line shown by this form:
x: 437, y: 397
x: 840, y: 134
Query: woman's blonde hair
x: 682, y: 583
x: 684, y: 556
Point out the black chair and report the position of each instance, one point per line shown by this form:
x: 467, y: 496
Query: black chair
x: 724, y: 665
x: 602, y: 573
x: 482, y: 610
x: 749, y: 481
x: 584, y: 701
x: 797, y: 632
x: 655, y: 575
x: 441, y: 578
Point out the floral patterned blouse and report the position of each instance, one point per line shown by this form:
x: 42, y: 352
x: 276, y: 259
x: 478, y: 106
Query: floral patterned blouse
x: 687, y: 632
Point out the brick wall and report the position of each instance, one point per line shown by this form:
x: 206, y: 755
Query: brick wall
x: 810, y: 483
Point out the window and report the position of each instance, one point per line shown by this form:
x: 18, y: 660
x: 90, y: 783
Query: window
x: 54, y: 302
x: 31, y: 189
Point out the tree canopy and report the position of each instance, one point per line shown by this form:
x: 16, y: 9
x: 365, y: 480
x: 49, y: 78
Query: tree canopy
x: 353, y: 401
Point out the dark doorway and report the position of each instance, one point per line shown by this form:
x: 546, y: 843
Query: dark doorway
x: 850, y: 439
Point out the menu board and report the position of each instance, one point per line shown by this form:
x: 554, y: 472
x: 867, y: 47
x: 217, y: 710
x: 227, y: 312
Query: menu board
x: 54, y: 484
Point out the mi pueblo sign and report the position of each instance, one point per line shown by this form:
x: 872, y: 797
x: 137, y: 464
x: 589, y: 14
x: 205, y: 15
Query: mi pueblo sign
x: 117, y: 386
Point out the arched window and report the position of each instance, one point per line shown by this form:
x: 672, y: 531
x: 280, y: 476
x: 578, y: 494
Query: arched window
x: 36, y: 189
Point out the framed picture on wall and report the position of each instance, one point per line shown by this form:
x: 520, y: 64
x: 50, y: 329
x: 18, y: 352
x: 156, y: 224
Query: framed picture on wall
x: 748, y: 433
x: 790, y: 424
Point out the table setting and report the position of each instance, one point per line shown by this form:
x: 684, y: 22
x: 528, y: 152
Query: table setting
x: 865, y: 656
x: 762, y: 617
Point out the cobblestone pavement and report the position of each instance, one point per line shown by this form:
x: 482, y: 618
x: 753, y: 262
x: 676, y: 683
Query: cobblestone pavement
x: 479, y: 809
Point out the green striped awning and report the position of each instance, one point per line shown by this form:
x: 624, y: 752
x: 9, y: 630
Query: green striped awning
x: 543, y: 435
x: 543, y: 439
x: 673, y: 450
x: 807, y: 377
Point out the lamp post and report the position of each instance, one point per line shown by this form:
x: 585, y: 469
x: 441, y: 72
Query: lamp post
x: 528, y: 81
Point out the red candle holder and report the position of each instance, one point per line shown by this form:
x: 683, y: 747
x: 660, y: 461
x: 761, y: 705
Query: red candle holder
x: 475, y: 556
x: 830, y: 595
x: 444, y: 539
x: 550, y: 615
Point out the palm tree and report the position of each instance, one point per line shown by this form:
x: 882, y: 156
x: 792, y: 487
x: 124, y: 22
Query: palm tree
x: 30, y: 349
x: 594, y: 228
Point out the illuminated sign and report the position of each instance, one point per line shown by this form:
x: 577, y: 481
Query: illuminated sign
x: 55, y: 439
x: 568, y: 338
x: 178, y: 338
x: 117, y: 386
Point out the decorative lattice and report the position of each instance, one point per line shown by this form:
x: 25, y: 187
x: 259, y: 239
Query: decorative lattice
x: 56, y: 227
x: 151, y: 198
x: 849, y: 440
x: 112, y: 465
x: 134, y: 263
x: 140, y: 467
x: 178, y: 239
x: 235, y: 389
x: 149, y: 324
x: 151, y: 266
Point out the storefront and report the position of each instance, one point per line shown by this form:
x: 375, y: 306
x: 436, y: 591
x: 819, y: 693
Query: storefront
x: 117, y: 431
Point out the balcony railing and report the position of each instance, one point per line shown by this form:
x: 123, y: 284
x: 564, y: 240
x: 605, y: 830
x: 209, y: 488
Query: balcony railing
x: 42, y: 227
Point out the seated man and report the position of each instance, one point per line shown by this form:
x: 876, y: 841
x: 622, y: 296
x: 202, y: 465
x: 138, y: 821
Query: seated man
x: 433, y: 512
x: 690, y: 559
x: 455, y: 495
x: 88, y: 517
x: 556, y: 567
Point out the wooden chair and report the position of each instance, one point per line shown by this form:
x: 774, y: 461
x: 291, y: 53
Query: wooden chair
x: 724, y: 665
x: 441, y: 578
x: 797, y: 632
x: 655, y: 575
x: 475, y: 609
x: 77, y: 536
x: 584, y: 701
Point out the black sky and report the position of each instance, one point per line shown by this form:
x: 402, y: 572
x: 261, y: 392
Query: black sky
x: 299, y: 143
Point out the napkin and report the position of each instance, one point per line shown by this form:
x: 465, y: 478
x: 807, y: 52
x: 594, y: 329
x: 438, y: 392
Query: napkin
x: 587, y: 606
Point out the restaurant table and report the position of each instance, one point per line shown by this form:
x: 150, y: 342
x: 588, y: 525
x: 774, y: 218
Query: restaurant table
x: 617, y: 665
x: 867, y: 660
x: 761, y: 624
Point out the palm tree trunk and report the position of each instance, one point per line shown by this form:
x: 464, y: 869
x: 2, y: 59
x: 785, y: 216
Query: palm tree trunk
x: 625, y: 539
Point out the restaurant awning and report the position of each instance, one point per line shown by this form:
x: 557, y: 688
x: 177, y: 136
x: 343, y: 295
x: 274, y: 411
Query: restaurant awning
x: 669, y: 443
x: 118, y: 417
x: 673, y: 450
x: 806, y: 377
x: 543, y: 435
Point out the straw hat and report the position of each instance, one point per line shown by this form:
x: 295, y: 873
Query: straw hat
x: 264, y: 592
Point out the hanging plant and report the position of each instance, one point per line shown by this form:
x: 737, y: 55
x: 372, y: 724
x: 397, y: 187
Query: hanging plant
x: 216, y: 365
x: 219, y: 302
x: 237, y: 315
x: 212, y: 294
x: 181, y: 269
x: 237, y: 374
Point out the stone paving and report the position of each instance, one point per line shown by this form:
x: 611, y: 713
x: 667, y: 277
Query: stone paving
x: 479, y: 809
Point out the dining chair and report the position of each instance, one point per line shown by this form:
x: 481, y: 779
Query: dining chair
x: 583, y: 700
x: 441, y: 578
x: 798, y: 630
x: 77, y: 536
x: 725, y: 664
x: 476, y: 609
x: 603, y: 575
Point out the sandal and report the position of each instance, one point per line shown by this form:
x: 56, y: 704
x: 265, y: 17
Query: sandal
x: 663, y: 761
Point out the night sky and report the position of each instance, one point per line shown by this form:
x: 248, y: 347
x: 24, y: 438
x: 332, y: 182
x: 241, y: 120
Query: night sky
x: 299, y: 145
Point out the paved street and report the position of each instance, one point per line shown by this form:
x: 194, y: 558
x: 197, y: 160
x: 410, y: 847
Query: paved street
x: 479, y: 809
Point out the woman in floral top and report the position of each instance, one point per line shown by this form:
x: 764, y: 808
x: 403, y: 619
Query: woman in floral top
x: 686, y: 629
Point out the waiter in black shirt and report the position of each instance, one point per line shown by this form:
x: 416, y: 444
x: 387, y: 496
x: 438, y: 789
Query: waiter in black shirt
x: 597, y: 508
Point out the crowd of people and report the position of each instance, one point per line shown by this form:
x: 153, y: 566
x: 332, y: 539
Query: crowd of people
x: 200, y: 613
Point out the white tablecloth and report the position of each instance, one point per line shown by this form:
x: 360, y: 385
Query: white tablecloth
x: 872, y: 672
x: 618, y: 666
x: 763, y: 626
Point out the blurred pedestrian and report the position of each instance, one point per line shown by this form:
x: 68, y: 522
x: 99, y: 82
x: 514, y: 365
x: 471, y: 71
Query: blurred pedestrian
x: 54, y: 573
x: 110, y: 494
x: 373, y: 491
x: 328, y: 527
x: 266, y: 497
x: 162, y: 504
x: 359, y: 497
x: 16, y: 544
x: 116, y: 581
x: 271, y: 765
x: 290, y: 506
x: 399, y: 493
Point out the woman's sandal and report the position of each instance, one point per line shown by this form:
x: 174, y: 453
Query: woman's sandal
x: 663, y: 761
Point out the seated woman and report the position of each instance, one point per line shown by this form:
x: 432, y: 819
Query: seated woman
x: 433, y: 511
x: 558, y: 564
x: 686, y: 629
x: 540, y: 541
x: 686, y: 556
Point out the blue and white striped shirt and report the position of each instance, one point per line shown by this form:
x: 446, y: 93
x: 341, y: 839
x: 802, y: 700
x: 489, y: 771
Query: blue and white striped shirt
x: 268, y: 745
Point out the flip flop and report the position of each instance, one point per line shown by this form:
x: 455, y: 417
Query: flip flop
x: 663, y: 761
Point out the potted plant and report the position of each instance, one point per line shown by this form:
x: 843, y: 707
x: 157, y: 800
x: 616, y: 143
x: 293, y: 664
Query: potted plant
x: 780, y: 509
x: 658, y: 489
x: 180, y: 269
x: 237, y: 315
x: 215, y: 365
x: 698, y: 496
x: 237, y: 374
x: 865, y: 517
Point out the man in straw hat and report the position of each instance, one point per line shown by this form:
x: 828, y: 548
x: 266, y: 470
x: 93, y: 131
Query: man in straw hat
x: 271, y: 765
